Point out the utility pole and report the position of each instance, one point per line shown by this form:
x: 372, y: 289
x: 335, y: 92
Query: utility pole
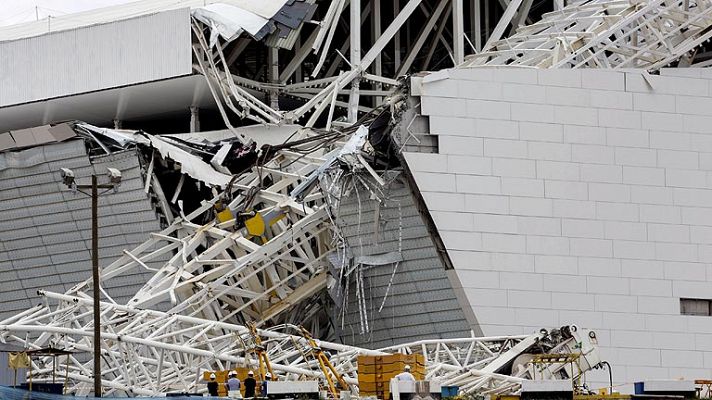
x: 114, y: 182
x: 95, y: 284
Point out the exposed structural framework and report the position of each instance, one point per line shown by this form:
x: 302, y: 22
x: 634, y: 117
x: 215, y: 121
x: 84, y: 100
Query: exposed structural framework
x: 607, y: 34
x: 257, y: 250
x: 262, y: 245
x: 591, y: 34
x: 151, y: 352
x: 264, y: 248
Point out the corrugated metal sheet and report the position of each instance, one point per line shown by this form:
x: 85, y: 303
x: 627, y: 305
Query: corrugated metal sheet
x: 104, y: 15
x: 45, y: 231
x: 151, y: 47
x: 421, y: 302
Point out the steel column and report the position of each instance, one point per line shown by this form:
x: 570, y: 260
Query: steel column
x: 458, y: 31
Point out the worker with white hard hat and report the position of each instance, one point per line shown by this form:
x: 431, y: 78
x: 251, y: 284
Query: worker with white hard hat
x: 213, y: 385
x: 233, y: 385
x: 263, y: 388
x: 405, y: 375
x: 250, y: 384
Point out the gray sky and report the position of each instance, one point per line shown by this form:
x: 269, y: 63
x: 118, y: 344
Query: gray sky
x: 18, y: 11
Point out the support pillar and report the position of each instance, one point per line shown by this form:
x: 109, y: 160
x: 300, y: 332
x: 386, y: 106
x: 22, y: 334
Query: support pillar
x: 273, y: 76
x: 458, y: 31
x: 194, y: 119
x: 355, y: 21
x: 298, y: 72
x: 376, y: 18
x: 396, y: 39
x: 477, y: 21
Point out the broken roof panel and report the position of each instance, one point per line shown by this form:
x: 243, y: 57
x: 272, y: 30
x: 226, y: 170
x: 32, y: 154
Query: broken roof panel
x: 61, y: 132
x: 6, y: 141
x: 277, y: 24
x: 229, y: 22
x: 35, y: 136
x: 289, y: 21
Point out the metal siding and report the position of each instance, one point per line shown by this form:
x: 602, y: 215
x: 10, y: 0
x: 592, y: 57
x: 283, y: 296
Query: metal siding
x: 131, y: 51
x: 45, y: 234
x: 421, y: 302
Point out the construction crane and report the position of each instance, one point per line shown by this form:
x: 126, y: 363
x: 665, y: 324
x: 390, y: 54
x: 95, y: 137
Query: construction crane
x: 259, y: 349
x: 325, y: 365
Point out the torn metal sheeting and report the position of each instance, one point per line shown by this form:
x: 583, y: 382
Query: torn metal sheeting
x: 191, y: 165
x: 276, y: 19
x: 380, y: 259
x: 354, y: 145
x: 229, y: 22
x: 121, y: 137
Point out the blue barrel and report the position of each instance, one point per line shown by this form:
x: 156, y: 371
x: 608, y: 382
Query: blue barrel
x: 448, y: 391
x: 639, y: 387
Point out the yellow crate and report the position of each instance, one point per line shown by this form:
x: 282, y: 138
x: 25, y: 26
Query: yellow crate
x: 376, y: 372
x: 389, y: 369
x: 372, y: 386
x: 403, y: 358
x: 366, y: 360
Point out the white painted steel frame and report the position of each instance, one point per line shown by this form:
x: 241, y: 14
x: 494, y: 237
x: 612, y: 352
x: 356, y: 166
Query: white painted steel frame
x: 150, y: 352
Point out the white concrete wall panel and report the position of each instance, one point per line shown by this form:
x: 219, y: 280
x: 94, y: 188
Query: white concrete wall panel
x: 152, y: 47
x: 579, y: 196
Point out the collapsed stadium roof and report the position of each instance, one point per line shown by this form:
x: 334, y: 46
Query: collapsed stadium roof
x: 265, y: 241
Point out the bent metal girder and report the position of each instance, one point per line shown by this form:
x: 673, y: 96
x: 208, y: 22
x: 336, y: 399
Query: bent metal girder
x: 223, y: 271
x: 647, y: 34
x: 149, y: 352
x: 261, y: 253
x: 606, y: 34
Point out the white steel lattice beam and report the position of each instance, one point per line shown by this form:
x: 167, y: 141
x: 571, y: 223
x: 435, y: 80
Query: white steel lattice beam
x: 604, y: 34
x: 151, y: 352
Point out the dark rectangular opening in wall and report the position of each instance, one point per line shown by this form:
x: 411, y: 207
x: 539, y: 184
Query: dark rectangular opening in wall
x: 700, y: 307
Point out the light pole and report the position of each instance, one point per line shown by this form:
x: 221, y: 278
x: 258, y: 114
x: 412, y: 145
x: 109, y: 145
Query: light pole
x: 114, y: 182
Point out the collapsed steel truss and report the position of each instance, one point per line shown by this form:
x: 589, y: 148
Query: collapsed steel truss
x: 607, y: 34
x: 583, y: 34
x: 263, y: 251
x: 259, y: 251
x: 149, y: 352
